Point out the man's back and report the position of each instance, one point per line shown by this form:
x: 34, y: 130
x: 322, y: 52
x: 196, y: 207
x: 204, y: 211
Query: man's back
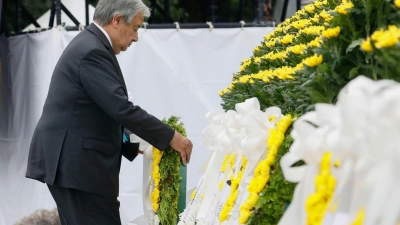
x: 73, y: 121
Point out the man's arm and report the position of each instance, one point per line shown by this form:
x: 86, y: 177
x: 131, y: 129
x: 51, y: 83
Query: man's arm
x: 100, y: 79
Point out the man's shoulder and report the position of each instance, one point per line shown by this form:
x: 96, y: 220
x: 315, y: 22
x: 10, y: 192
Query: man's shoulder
x: 84, y: 43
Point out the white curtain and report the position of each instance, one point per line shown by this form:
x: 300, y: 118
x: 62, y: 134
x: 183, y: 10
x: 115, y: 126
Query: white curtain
x: 168, y: 72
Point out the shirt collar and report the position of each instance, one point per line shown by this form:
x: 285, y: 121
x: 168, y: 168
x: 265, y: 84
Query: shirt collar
x: 105, y: 33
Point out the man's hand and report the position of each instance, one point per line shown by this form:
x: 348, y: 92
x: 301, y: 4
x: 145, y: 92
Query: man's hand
x: 183, y: 146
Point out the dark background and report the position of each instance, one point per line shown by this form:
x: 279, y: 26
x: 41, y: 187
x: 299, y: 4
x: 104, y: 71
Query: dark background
x: 183, y: 11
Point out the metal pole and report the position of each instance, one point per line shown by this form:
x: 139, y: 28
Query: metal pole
x: 284, y: 10
x: 298, y: 4
x: 167, y: 19
x: 213, y: 8
x: 52, y: 13
x: 58, y: 12
x: 260, y: 11
x: 87, y: 12
x: 19, y: 16
x: 240, y: 10
x: 1, y: 10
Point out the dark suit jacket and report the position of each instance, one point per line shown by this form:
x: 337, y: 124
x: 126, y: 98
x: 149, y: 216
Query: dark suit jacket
x: 77, y: 141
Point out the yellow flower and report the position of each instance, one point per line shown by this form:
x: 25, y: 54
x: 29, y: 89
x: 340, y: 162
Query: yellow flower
x: 337, y: 163
x: 155, y: 194
x: 225, y: 90
x: 313, y: 61
x: 272, y: 118
x: 313, y: 30
x: 287, y: 39
x: 315, y: 43
x: 377, y: 34
x: 386, y: 38
x: 318, y: 4
x: 331, y: 32
x: 301, y: 23
x: 327, y: 17
x: 193, y: 194
x: 245, y: 79
x: 309, y: 8
x: 360, y: 217
x: 317, y: 203
x: 344, y: 8
x: 298, y: 49
x: 397, y: 3
x: 388, y: 41
x: 366, y: 45
x: 261, y: 173
x: 230, y: 202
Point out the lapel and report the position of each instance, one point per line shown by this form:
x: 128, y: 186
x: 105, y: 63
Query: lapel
x: 96, y: 31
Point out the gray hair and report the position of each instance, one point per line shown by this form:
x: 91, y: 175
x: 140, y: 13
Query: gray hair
x: 107, y: 9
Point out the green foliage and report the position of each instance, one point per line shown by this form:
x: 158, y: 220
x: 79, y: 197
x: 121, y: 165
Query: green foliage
x: 344, y: 59
x: 278, y: 192
x: 35, y: 7
x: 170, y: 176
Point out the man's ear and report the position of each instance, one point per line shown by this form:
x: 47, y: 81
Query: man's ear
x: 117, y: 18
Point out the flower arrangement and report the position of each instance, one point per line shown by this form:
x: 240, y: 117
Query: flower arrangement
x: 235, y: 181
x: 155, y: 165
x: 263, y: 169
x: 361, y: 131
x: 317, y: 203
x: 166, y: 179
x: 308, y: 59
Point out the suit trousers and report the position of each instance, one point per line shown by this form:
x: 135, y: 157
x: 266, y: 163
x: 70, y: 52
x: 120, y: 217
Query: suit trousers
x: 77, y: 207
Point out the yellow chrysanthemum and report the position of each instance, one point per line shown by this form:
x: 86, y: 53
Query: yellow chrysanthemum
x: 360, y: 217
x: 313, y: 61
x: 301, y: 23
x: 318, y: 4
x: 377, y: 34
x: 366, y: 45
x: 193, y: 194
x: 386, y: 38
x: 331, y: 32
x: 317, y: 203
x: 155, y: 194
x: 313, y: 30
x: 230, y: 202
x: 344, y: 8
x: 309, y: 8
x: 326, y: 15
x: 287, y: 39
x: 315, y: 43
x: 261, y: 173
x: 397, y: 3
x: 225, y: 90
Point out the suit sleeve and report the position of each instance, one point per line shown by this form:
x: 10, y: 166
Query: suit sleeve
x: 100, y: 79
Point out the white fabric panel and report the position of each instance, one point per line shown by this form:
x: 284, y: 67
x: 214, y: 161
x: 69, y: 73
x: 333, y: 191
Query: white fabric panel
x: 168, y: 72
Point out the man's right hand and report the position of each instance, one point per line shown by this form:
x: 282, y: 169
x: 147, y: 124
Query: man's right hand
x: 183, y: 146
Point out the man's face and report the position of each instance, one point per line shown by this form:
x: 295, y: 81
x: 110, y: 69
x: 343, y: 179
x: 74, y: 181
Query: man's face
x: 126, y: 34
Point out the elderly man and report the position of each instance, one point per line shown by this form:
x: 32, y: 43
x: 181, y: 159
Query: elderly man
x: 77, y: 144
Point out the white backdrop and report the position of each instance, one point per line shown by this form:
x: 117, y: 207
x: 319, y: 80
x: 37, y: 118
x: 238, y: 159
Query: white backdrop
x: 168, y: 72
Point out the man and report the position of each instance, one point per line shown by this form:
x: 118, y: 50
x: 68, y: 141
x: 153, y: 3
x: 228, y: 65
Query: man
x: 77, y: 144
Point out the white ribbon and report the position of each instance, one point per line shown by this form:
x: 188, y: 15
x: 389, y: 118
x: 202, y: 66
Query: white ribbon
x: 146, y: 181
x: 361, y: 130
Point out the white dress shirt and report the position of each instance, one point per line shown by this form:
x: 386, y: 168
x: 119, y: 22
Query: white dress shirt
x: 105, y: 33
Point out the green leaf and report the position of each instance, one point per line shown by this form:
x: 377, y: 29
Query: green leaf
x: 354, y: 72
x: 354, y: 44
